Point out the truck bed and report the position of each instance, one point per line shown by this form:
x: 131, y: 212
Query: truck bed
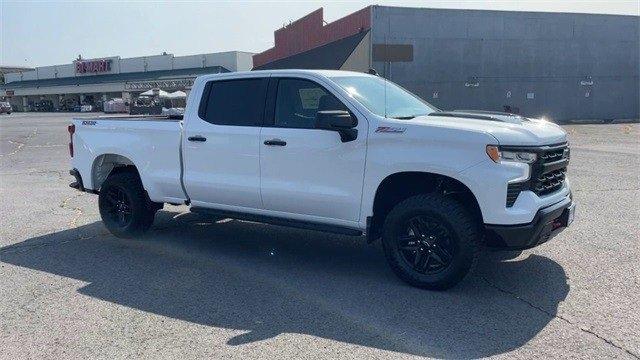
x: 150, y: 142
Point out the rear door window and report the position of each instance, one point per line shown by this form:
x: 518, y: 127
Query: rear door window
x: 235, y: 102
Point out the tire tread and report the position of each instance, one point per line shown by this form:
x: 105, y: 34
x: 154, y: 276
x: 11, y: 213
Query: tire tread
x: 466, y: 228
x: 143, y: 213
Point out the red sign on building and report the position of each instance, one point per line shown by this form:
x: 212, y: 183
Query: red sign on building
x: 93, y: 66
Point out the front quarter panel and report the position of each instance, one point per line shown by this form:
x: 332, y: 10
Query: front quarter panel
x: 397, y: 146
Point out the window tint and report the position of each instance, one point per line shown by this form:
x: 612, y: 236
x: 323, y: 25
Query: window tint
x: 236, y: 102
x: 298, y: 102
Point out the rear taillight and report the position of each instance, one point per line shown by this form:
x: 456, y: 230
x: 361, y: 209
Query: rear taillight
x: 72, y: 129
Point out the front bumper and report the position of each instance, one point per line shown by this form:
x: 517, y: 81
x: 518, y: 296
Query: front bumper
x: 492, y: 195
x: 548, y: 222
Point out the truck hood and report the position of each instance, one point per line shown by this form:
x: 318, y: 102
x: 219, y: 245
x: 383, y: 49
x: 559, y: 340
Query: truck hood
x: 508, y: 129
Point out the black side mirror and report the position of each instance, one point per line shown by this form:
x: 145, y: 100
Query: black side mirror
x: 338, y: 120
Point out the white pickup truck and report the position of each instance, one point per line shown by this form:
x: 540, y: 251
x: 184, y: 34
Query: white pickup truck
x: 335, y: 151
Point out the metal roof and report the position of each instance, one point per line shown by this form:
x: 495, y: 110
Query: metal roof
x: 114, y: 78
x: 329, y: 56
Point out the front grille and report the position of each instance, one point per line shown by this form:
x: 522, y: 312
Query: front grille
x: 553, y: 155
x: 548, y: 172
x: 549, y: 182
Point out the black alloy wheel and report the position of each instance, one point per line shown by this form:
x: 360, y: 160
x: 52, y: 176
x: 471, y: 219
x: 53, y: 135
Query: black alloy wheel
x: 126, y: 210
x: 426, y: 244
x: 431, y: 241
x: 119, y: 206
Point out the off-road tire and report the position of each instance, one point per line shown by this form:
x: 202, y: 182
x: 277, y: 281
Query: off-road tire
x: 142, y: 210
x: 464, y: 237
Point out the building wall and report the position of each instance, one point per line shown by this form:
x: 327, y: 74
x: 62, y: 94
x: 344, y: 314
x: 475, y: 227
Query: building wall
x: 29, y: 75
x: 310, y: 32
x: 119, y: 85
x: 159, y: 62
x: 136, y: 64
x: 188, y: 62
x: 225, y: 59
x: 360, y: 58
x: 231, y: 60
x: 564, y: 66
x: 244, y: 61
x: 71, y: 89
x: 47, y: 72
x: 67, y: 70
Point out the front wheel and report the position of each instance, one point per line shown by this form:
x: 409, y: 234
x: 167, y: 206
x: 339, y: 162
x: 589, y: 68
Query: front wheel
x: 430, y: 241
x: 124, y: 206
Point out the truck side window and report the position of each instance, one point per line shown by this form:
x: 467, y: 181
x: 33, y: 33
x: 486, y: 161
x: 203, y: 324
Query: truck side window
x: 236, y: 102
x: 298, y: 101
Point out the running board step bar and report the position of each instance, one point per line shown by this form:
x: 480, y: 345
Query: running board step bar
x: 277, y: 221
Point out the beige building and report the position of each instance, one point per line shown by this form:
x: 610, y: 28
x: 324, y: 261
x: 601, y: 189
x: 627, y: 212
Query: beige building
x: 92, y: 81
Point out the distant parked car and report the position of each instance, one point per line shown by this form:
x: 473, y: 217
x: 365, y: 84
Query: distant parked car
x: 67, y: 104
x: 43, y: 106
x: 5, y: 107
x: 116, y: 105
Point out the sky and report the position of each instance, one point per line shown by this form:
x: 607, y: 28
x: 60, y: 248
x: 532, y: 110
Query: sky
x: 39, y: 33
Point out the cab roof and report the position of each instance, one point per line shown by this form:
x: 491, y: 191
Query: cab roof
x: 324, y: 73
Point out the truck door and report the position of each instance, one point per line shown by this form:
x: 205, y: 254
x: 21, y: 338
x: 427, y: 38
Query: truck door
x: 306, y: 171
x: 221, y: 145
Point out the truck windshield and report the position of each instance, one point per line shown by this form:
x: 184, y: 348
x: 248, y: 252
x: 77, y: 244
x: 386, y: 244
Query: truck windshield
x: 383, y: 97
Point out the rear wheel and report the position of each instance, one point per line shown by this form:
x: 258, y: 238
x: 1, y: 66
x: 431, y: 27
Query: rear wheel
x: 430, y: 241
x: 125, y: 209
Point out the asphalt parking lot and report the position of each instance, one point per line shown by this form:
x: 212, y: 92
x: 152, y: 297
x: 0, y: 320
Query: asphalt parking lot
x: 195, y: 288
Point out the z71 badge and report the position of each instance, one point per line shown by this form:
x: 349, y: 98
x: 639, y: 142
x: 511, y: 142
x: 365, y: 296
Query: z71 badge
x: 390, y: 129
x: 88, y: 122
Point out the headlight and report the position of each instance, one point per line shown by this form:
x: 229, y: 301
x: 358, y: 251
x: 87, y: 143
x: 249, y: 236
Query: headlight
x: 498, y: 155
